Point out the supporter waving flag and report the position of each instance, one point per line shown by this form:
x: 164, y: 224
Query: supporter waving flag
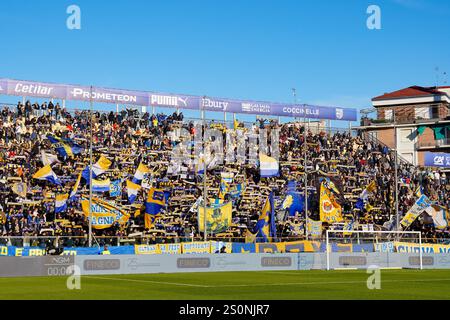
x: 132, y: 190
x: 330, y: 185
x: 269, y: 166
x: 100, y: 185
x: 265, y: 228
x: 294, y: 201
x: 364, y: 197
x: 141, y: 171
x: 20, y: 188
x: 440, y: 216
x: 75, y: 187
x: 47, y: 174
x: 65, y: 147
x: 225, y: 183
x: 330, y: 210
x: 61, y: 202
x: 99, y: 168
x: 156, y: 201
x: 48, y: 158
x: 421, y: 205
x: 419, y: 191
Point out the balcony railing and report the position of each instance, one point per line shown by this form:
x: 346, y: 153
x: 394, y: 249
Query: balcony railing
x: 443, y: 143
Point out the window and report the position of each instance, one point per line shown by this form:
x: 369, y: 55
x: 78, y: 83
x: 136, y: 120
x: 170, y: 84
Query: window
x: 434, y: 110
x: 388, y: 114
x: 423, y: 113
x: 408, y: 156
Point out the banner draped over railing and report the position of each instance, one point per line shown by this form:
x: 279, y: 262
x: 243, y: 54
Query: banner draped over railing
x: 144, y: 98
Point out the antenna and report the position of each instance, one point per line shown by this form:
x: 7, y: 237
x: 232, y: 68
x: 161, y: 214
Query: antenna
x: 437, y: 76
x: 441, y: 77
x: 294, y: 93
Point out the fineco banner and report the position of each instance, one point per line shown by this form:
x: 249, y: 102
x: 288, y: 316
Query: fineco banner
x: 144, y: 98
x: 439, y: 160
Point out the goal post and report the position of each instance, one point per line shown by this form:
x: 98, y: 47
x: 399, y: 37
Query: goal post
x: 353, y: 249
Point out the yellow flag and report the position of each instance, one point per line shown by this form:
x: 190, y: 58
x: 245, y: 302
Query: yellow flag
x: 20, y: 189
x: 330, y: 210
x: 218, y: 218
x: 250, y: 237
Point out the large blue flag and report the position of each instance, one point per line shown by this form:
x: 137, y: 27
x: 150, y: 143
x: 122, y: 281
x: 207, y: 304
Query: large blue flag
x: 294, y: 201
x: 65, y: 147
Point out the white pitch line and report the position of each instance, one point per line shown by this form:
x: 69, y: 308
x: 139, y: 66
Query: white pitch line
x: 287, y: 273
x: 149, y: 281
x: 318, y: 283
x: 259, y: 284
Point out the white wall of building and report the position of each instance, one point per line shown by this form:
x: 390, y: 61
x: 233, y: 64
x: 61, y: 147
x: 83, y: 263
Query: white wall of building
x: 406, y: 144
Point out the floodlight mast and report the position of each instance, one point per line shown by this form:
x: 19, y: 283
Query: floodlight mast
x: 90, y: 167
x: 305, y: 146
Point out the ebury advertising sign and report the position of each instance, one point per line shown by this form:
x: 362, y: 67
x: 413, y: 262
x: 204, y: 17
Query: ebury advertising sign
x: 145, y: 98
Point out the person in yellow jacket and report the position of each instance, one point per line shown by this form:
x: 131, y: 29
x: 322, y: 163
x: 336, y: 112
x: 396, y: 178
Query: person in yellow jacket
x: 105, y: 251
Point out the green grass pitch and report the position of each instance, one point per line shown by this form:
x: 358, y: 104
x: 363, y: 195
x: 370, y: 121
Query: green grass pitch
x: 270, y: 285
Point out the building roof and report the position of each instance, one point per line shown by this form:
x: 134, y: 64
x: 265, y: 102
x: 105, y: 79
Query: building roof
x: 414, y: 91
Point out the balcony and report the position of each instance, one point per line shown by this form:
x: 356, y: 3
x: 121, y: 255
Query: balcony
x: 443, y: 143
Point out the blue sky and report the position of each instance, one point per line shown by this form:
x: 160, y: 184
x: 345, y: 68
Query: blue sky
x: 249, y: 49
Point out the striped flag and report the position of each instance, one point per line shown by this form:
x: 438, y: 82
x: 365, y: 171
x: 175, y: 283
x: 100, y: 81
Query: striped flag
x: 47, y: 174
x: 269, y: 166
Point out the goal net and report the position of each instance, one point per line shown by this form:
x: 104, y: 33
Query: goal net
x: 373, y: 249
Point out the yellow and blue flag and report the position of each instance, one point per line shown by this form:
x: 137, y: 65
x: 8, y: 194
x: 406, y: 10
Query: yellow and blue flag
x: 250, y: 237
x: 314, y: 228
x: 200, y: 166
x: 330, y: 185
x: 348, y: 226
x: 265, y: 228
x: 48, y: 158
x: 75, y: 187
x: 330, y: 210
x: 216, y: 202
x: 141, y: 171
x: 218, y: 218
x: 65, y: 147
x: 61, y: 202
x: 363, y: 199
x: 237, y: 190
x: 421, y: 205
x: 156, y: 201
x: 20, y: 188
x: 225, y: 183
x: 294, y: 200
x: 99, y: 168
x: 115, y: 188
x: 440, y: 216
x: 132, y: 190
x: 419, y: 191
x: 47, y: 174
x: 269, y: 166
x: 104, y: 214
x: 100, y: 186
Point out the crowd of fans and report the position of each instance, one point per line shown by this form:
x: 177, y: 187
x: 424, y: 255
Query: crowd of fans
x: 129, y: 138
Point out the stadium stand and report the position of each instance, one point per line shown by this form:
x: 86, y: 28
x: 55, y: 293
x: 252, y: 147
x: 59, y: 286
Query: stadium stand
x: 49, y: 203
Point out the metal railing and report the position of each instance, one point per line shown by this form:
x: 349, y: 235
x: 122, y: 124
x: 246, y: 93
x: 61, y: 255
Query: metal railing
x: 442, y: 143
x: 74, y: 241
x: 371, y: 138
